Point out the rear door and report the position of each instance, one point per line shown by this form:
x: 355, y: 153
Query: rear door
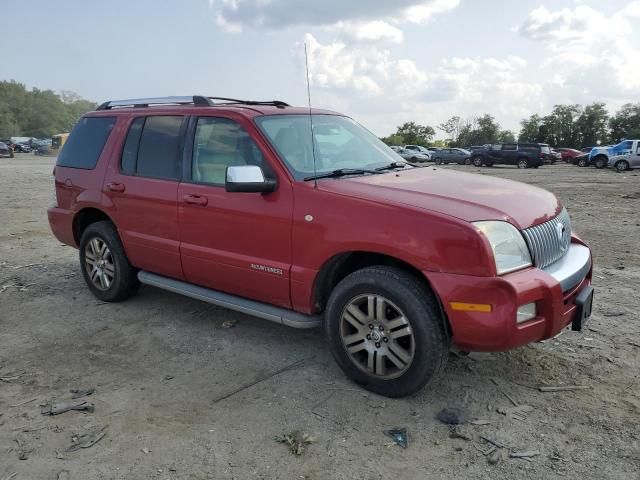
x: 143, y: 188
x: 239, y: 243
x: 635, y: 155
x: 509, y: 153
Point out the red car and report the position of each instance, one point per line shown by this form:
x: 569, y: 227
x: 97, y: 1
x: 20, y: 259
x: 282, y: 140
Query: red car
x: 569, y: 153
x: 231, y: 202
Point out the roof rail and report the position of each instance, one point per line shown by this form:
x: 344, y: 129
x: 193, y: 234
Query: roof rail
x: 197, y: 100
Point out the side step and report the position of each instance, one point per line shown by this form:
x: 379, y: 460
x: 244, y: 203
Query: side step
x: 250, y: 307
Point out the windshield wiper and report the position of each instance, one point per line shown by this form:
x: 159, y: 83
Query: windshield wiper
x: 392, y: 165
x: 340, y: 172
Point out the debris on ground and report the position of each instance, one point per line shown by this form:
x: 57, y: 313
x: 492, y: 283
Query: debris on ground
x: 82, y: 392
x: 58, y: 408
x: 87, y: 440
x: 457, y: 432
x: 24, y: 403
x: 526, y: 454
x: 145, y: 451
x: 564, y: 388
x: 612, y: 314
x: 495, y: 456
x: 229, y: 323
x: 399, y: 436
x: 495, y: 382
x: 480, y: 421
x: 296, y: 440
x: 452, y: 416
x: 519, y: 413
x: 166, y: 378
x: 64, y: 475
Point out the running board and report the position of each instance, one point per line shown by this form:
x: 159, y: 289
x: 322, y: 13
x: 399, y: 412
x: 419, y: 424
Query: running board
x: 239, y: 304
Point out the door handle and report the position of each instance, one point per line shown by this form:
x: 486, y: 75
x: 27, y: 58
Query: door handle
x: 116, y: 187
x: 195, y: 200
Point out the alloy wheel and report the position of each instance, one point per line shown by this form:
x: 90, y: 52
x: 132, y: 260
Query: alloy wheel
x: 99, y: 263
x: 622, y: 165
x: 377, y: 336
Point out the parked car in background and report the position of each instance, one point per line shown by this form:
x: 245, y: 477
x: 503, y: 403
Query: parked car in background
x: 600, y: 156
x: 22, y: 147
x: 581, y: 160
x: 627, y: 160
x: 586, y: 149
x: 42, y: 148
x: 395, y: 264
x: 412, y: 155
x: 4, y: 150
x: 568, y: 153
x: 452, y: 155
x: 420, y: 149
x: 523, y: 155
x: 556, y: 156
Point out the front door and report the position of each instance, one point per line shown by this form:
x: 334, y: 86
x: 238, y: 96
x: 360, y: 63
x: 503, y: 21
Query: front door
x: 143, y: 189
x: 239, y: 243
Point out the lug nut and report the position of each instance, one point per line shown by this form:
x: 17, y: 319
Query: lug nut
x: 381, y: 328
x: 368, y: 337
x: 385, y: 339
x: 370, y: 326
x: 377, y: 344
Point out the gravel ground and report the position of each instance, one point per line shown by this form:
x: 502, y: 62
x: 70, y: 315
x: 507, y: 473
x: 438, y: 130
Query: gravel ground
x: 162, y: 365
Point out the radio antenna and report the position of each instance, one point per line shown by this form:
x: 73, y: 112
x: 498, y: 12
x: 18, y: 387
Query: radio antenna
x: 313, y: 143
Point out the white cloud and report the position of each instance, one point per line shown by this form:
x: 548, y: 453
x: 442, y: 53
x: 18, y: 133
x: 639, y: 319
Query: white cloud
x: 364, y: 78
x: 374, y: 31
x: 234, y: 15
x: 592, y: 55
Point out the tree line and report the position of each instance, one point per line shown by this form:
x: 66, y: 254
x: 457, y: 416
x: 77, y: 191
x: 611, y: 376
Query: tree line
x: 570, y: 126
x: 38, y: 113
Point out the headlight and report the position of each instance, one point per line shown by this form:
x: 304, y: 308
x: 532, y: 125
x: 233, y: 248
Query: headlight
x: 509, y: 248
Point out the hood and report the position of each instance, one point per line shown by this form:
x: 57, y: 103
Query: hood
x: 467, y: 196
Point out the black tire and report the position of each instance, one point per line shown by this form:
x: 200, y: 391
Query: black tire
x: 582, y: 162
x: 467, y: 161
x: 438, y: 161
x: 418, y: 306
x: 125, y: 280
x: 477, y: 161
x: 414, y: 159
x: 600, y: 162
x: 622, y: 165
x: 523, y: 163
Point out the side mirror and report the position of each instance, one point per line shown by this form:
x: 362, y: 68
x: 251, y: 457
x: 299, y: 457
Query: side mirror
x: 249, y: 179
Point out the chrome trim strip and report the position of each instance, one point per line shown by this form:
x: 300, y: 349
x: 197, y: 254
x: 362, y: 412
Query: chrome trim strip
x: 571, y: 269
x: 249, y: 307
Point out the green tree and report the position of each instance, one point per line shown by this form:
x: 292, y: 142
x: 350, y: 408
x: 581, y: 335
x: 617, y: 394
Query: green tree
x: 410, y: 133
x: 452, y: 128
x: 592, y: 125
x: 559, y: 128
x: 479, y: 130
x: 530, y: 130
x: 625, y: 123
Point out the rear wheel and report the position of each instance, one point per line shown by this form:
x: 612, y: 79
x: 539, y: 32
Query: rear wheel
x: 438, y: 161
x: 523, y: 163
x: 467, y: 161
x: 386, y: 331
x: 105, y: 267
x: 477, y: 161
x: 622, y: 165
x: 600, y: 162
x: 414, y: 159
x: 582, y: 162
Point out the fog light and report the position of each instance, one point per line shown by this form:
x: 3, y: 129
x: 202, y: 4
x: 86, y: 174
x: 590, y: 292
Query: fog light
x: 526, y: 312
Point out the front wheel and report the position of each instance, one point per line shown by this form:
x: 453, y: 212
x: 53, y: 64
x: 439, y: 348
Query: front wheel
x: 386, y: 331
x: 523, y: 163
x: 600, y: 162
x: 105, y: 266
x: 477, y: 161
x: 438, y: 161
x: 622, y: 165
x: 582, y: 162
x: 467, y: 161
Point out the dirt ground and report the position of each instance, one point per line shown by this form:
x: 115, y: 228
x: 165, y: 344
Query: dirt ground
x: 161, y: 365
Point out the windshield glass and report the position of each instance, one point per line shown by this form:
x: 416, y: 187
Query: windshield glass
x: 340, y: 143
x: 545, y: 148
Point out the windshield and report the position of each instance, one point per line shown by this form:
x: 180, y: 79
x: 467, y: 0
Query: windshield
x: 340, y: 143
x: 545, y: 148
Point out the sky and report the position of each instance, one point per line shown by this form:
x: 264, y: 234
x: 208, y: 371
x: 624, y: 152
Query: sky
x: 381, y: 62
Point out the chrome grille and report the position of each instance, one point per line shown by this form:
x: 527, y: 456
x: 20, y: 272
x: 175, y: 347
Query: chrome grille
x: 549, y: 241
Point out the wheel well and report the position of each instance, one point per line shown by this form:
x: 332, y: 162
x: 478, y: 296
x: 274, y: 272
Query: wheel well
x: 341, y: 265
x: 84, y: 218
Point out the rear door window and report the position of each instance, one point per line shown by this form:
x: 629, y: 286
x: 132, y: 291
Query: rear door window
x: 153, y: 147
x: 85, y: 143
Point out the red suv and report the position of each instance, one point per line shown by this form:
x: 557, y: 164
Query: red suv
x: 307, y: 219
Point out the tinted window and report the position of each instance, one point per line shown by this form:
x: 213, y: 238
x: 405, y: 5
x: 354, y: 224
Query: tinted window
x: 158, y: 150
x: 545, y: 149
x: 84, y: 146
x: 496, y: 147
x: 220, y: 143
x: 626, y: 145
x: 509, y: 146
x: 130, y: 150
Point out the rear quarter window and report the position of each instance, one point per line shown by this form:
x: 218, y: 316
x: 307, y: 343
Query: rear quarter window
x: 85, y: 143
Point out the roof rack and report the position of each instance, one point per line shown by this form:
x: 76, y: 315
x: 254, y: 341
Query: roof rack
x: 197, y: 100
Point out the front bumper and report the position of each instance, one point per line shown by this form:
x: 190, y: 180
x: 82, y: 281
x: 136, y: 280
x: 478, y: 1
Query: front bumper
x: 554, y: 291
